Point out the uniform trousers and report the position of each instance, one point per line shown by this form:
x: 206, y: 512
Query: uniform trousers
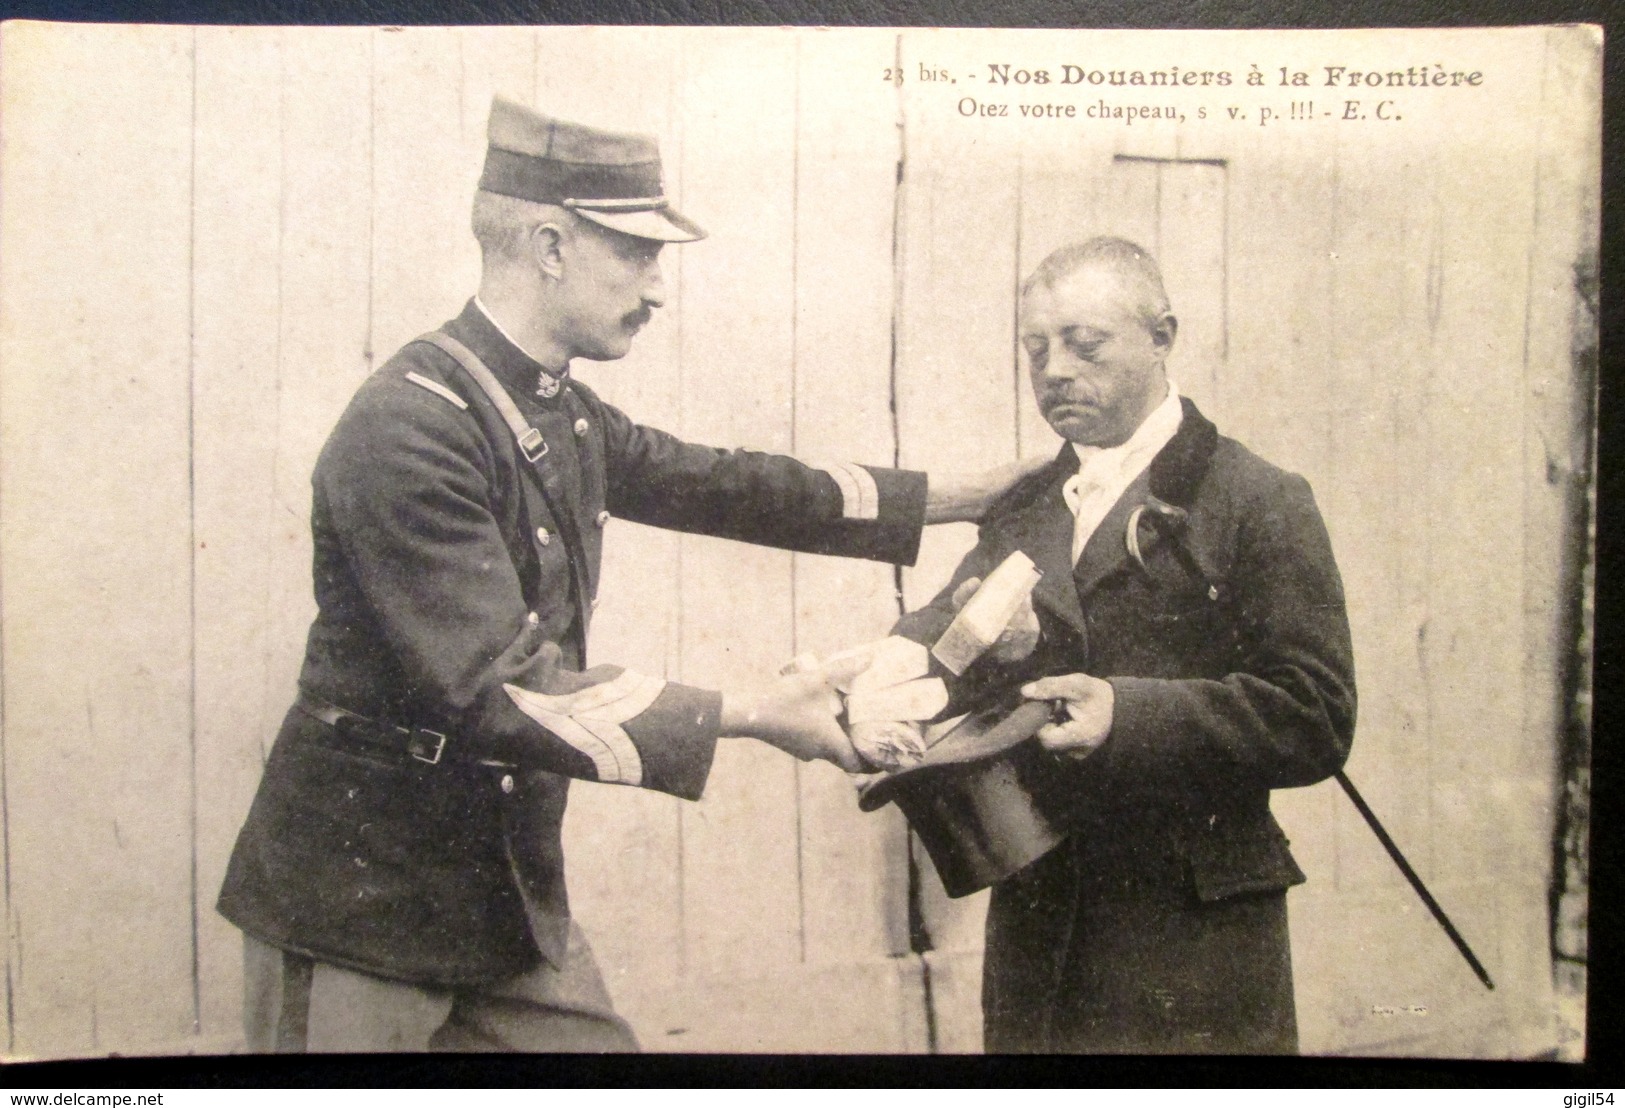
x: 293, y: 1003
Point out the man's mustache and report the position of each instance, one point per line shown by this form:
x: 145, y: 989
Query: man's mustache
x: 1055, y: 399
x: 638, y: 318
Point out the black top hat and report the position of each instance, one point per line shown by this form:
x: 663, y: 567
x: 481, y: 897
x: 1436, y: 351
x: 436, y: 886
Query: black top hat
x: 972, y: 800
x: 608, y: 177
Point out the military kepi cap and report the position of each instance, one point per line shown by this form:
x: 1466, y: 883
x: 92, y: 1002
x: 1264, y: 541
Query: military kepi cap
x: 609, y: 177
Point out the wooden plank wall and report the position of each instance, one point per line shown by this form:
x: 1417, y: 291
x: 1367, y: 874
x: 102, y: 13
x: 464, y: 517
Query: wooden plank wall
x: 259, y: 217
x: 97, y: 533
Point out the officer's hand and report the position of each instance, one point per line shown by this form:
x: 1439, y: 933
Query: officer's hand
x: 966, y: 497
x: 795, y: 713
x: 1089, y: 702
x: 1019, y: 637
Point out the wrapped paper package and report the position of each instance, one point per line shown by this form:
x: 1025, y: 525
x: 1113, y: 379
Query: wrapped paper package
x: 877, y: 665
x: 884, y: 695
x: 986, y: 614
x: 910, y: 701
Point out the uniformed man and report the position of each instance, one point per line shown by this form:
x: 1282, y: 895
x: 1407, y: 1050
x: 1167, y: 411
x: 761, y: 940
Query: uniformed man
x: 399, y: 879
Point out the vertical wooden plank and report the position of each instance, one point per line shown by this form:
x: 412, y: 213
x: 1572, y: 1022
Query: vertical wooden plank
x: 324, y: 321
x: 492, y: 60
x: 1279, y: 261
x: 236, y: 283
x: 1191, y: 232
x: 955, y: 392
x: 1559, y: 390
x: 424, y: 259
x: 1060, y: 204
x: 95, y: 541
x: 1135, y: 186
x: 1474, y: 405
x: 1558, y: 412
x: 854, y: 880
x: 623, y: 848
x: 1558, y: 403
x: 1379, y: 328
x: 741, y: 886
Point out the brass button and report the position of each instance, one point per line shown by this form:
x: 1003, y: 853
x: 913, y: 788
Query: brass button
x: 603, y: 518
x: 581, y: 428
x: 507, y: 782
x: 543, y: 536
x: 532, y: 618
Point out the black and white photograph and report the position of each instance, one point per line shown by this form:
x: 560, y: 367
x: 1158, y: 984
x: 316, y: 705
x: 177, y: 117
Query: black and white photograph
x: 797, y: 541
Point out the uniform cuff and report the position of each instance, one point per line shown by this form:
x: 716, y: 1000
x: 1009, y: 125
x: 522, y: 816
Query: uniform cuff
x: 676, y: 737
x: 901, y: 516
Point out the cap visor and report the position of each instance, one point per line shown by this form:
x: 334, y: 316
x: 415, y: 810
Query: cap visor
x: 661, y: 224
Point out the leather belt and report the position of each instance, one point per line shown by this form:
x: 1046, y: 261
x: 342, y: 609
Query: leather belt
x: 359, y: 732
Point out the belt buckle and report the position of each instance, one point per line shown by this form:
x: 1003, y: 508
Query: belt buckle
x: 421, y: 750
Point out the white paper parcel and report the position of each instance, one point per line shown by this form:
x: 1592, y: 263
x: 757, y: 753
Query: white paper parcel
x: 876, y: 665
x: 985, y: 615
x: 912, y: 700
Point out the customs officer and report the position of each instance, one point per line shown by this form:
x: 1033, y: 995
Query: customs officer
x: 400, y: 879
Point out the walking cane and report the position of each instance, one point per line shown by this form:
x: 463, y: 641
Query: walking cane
x: 1413, y: 877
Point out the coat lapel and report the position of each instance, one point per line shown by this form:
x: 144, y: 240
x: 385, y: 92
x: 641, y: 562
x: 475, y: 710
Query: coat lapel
x: 1043, y: 531
x: 1107, y: 549
x: 1173, y: 477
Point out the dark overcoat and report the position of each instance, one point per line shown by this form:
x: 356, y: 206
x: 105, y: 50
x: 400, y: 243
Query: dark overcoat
x: 452, y: 601
x: 1159, y: 923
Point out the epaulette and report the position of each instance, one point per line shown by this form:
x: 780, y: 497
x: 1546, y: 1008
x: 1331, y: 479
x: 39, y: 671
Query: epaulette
x: 437, y: 388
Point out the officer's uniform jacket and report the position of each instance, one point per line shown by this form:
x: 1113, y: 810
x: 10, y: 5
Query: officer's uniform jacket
x: 1159, y: 923
x: 446, y: 605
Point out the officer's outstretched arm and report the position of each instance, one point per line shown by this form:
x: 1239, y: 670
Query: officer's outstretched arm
x: 835, y: 507
x: 966, y: 497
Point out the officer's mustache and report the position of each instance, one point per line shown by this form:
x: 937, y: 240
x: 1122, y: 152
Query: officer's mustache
x: 637, y: 319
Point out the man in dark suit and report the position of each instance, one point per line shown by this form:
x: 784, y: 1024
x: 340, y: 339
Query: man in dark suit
x: 1194, y: 638
x: 400, y: 878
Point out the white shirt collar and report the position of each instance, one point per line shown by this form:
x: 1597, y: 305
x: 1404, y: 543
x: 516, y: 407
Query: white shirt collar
x: 1105, y: 473
x: 486, y: 312
x: 1128, y: 459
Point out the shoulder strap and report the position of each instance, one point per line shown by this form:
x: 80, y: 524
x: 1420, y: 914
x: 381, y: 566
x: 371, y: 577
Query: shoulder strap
x: 528, y: 439
x: 533, y: 448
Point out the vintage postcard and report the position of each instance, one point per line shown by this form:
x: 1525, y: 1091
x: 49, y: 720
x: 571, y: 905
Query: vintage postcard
x: 1298, y: 328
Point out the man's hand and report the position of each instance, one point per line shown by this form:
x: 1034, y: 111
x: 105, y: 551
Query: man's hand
x: 966, y: 497
x: 1089, y: 702
x: 795, y: 713
x: 1019, y: 637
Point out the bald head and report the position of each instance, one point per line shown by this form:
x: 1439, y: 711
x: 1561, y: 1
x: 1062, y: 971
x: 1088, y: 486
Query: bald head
x: 1134, y: 269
